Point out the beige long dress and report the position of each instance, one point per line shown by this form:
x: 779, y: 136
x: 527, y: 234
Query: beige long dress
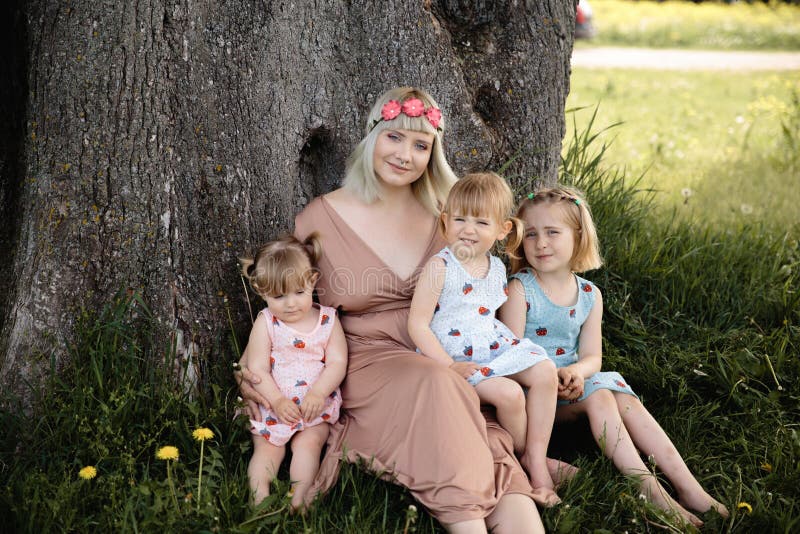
x: 412, y: 418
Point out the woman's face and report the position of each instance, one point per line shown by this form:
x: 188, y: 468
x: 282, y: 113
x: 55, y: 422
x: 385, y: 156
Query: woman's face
x: 401, y: 156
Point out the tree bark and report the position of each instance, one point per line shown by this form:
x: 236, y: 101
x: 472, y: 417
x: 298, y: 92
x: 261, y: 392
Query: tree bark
x: 152, y: 142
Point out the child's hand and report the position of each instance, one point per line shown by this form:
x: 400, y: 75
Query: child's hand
x: 287, y: 411
x: 465, y: 369
x: 570, y: 383
x: 312, y: 405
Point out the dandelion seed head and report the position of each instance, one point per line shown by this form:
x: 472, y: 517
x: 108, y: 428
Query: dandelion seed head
x: 747, y: 209
x: 686, y: 192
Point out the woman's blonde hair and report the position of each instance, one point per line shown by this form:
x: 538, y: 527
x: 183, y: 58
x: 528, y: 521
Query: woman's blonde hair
x: 577, y: 215
x: 432, y: 187
x: 283, y: 266
x: 484, y: 194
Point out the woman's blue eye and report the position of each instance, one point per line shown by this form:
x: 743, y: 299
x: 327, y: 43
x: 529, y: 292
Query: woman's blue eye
x: 422, y: 146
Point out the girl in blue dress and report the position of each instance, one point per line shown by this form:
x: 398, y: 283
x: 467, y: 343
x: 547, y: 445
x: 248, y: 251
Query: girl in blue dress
x: 562, y: 312
x: 452, y: 320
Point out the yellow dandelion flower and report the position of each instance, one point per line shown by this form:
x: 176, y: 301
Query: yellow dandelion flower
x: 202, y: 434
x: 167, y: 453
x: 766, y: 466
x: 745, y: 506
x: 88, y: 472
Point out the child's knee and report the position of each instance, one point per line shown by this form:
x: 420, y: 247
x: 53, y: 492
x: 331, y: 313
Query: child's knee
x: 601, y: 400
x: 510, y: 397
x: 545, y: 373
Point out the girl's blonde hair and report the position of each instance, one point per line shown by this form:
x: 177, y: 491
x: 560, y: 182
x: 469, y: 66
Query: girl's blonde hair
x: 283, y: 266
x: 432, y: 187
x: 577, y: 215
x: 484, y: 194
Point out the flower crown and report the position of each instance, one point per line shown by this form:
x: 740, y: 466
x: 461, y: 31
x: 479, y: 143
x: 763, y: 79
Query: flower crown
x: 413, y: 107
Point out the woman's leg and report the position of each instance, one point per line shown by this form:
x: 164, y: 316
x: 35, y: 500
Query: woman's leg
x: 651, y: 439
x: 473, y: 526
x: 509, y: 400
x: 612, y: 436
x: 306, y: 448
x: 515, y: 513
x: 542, y: 380
x: 263, y: 467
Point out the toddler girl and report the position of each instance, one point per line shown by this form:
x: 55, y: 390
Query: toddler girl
x: 561, y: 311
x: 452, y: 320
x: 301, y: 352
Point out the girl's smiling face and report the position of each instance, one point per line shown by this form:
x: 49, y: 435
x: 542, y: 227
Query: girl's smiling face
x: 549, y: 242
x: 472, y: 236
x: 401, y: 156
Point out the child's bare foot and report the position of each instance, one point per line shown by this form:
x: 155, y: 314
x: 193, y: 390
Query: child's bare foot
x: 539, y: 474
x: 662, y: 499
x: 560, y: 472
x: 546, y: 497
x: 703, y: 502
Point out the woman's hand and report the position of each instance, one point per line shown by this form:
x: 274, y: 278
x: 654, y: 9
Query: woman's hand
x: 570, y: 383
x: 465, y: 369
x: 312, y: 405
x: 252, y: 398
x: 287, y: 411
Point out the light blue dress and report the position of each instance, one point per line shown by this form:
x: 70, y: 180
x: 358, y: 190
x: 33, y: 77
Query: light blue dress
x: 464, y: 322
x: 558, y: 328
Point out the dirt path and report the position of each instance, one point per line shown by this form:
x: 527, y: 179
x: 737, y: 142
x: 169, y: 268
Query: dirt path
x: 667, y: 59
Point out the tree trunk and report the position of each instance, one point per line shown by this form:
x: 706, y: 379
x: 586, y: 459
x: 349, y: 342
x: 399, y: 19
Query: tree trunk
x: 152, y: 142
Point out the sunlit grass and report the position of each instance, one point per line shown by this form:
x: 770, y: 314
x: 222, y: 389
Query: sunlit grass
x: 721, y: 146
x: 683, y: 24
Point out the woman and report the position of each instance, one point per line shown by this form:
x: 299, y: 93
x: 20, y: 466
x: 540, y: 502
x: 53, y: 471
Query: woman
x: 411, y: 417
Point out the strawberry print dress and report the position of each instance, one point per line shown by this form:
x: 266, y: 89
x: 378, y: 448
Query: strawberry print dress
x: 557, y: 329
x: 297, y: 359
x: 464, y: 322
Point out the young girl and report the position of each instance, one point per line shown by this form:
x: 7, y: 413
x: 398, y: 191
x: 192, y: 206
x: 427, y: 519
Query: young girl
x: 561, y: 311
x: 299, y: 348
x: 452, y: 320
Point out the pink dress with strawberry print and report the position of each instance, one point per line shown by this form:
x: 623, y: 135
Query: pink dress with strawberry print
x: 464, y: 322
x: 297, y: 359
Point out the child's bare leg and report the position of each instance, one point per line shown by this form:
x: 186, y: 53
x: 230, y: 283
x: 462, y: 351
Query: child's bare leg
x: 263, y: 467
x: 651, y: 439
x: 509, y: 400
x: 541, y: 408
x: 306, y: 449
x: 612, y: 435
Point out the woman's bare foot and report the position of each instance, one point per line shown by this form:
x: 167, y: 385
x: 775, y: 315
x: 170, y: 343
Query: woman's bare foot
x: 560, y: 472
x: 703, y: 502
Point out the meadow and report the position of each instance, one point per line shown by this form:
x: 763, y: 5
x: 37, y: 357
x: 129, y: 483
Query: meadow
x: 722, y: 147
x: 681, y: 24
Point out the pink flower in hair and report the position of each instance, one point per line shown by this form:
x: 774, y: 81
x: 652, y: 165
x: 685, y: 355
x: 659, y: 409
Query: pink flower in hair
x: 390, y: 110
x: 434, y: 116
x: 413, y: 107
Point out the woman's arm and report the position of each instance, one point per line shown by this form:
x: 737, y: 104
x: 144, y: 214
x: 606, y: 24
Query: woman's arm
x: 590, y: 353
x: 513, y: 313
x: 331, y: 376
x: 426, y: 295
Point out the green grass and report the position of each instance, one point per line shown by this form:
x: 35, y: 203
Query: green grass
x: 704, y: 323
x: 683, y: 24
x: 720, y: 147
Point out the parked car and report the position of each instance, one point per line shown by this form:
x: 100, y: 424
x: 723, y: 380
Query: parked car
x: 584, y: 29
